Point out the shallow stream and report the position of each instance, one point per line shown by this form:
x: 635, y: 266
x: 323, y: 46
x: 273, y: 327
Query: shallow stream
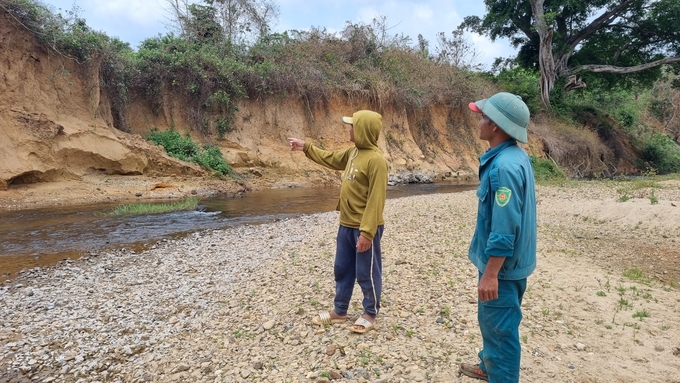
x: 33, y: 238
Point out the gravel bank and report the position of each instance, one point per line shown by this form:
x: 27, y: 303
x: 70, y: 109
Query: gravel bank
x: 235, y: 305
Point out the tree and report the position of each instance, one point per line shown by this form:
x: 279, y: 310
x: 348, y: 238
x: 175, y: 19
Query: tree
x: 240, y: 21
x: 457, y: 51
x: 566, y: 38
x: 666, y: 107
x: 244, y: 19
x: 201, y: 25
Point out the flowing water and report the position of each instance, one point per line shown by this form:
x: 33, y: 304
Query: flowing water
x: 33, y: 238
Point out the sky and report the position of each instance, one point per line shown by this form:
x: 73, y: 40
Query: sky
x: 133, y: 21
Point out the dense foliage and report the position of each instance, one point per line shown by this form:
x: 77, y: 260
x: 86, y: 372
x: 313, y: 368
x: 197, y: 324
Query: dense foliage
x: 660, y: 153
x: 620, y: 43
x: 202, y: 74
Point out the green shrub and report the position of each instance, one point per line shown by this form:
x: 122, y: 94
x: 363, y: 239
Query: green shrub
x: 623, y: 105
x: 211, y: 158
x: 546, y: 170
x: 175, y: 145
x: 628, y: 117
x: 208, y: 75
x: 660, y: 153
x: 186, y: 149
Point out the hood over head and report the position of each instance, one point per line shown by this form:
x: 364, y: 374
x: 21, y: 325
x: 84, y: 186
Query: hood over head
x: 367, y: 126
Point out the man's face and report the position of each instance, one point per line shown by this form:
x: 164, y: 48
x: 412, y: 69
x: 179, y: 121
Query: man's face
x: 485, y: 128
x: 351, y: 133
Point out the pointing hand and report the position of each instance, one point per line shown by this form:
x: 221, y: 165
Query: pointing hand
x: 296, y: 144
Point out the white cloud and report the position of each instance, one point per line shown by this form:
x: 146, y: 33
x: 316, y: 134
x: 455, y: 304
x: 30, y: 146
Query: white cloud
x: 146, y: 13
x: 490, y: 50
x: 422, y: 12
x: 367, y: 14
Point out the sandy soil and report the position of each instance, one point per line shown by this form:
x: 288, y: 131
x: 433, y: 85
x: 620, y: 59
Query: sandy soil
x: 102, y: 188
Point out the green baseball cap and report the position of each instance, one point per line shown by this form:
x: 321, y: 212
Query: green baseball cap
x: 506, y: 110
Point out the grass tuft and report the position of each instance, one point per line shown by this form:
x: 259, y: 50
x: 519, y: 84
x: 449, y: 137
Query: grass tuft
x: 154, y: 208
x: 641, y: 314
x: 636, y: 274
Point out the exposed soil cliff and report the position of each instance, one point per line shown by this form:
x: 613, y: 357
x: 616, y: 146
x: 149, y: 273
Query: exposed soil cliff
x: 57, y: 125
x: 54, y: 119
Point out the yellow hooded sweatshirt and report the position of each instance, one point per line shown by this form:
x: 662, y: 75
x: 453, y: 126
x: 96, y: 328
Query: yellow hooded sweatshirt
x: 364, y: 181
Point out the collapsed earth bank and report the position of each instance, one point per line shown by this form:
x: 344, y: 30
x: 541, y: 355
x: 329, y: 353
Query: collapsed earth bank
x: 58, y: 124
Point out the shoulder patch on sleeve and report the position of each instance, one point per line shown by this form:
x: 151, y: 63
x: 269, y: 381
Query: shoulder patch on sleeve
x: 503, y: 195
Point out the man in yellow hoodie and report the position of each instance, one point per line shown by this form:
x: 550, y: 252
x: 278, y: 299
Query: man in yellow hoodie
x: 361, y: 204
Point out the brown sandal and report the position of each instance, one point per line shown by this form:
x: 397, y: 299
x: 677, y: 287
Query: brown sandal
x: 473, y: 371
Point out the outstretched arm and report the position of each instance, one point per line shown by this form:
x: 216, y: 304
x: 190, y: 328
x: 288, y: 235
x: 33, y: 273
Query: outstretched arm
x: 332, y: 159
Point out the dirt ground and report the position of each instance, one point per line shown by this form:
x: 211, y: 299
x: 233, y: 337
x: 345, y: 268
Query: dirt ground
x: 640, y: 226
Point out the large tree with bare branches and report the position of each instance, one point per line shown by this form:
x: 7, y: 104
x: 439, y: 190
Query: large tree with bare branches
x: 566, y: 38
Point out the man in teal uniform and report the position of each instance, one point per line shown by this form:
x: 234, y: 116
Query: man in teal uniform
x: 503, y: 247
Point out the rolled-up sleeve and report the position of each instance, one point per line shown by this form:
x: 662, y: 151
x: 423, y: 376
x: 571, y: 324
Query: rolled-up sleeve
x: 507, y: 193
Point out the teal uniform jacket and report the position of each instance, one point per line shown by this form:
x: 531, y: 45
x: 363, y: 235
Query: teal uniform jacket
x: 506, y: 214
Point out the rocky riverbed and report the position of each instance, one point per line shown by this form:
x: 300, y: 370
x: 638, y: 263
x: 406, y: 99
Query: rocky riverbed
x: 235, y: 305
